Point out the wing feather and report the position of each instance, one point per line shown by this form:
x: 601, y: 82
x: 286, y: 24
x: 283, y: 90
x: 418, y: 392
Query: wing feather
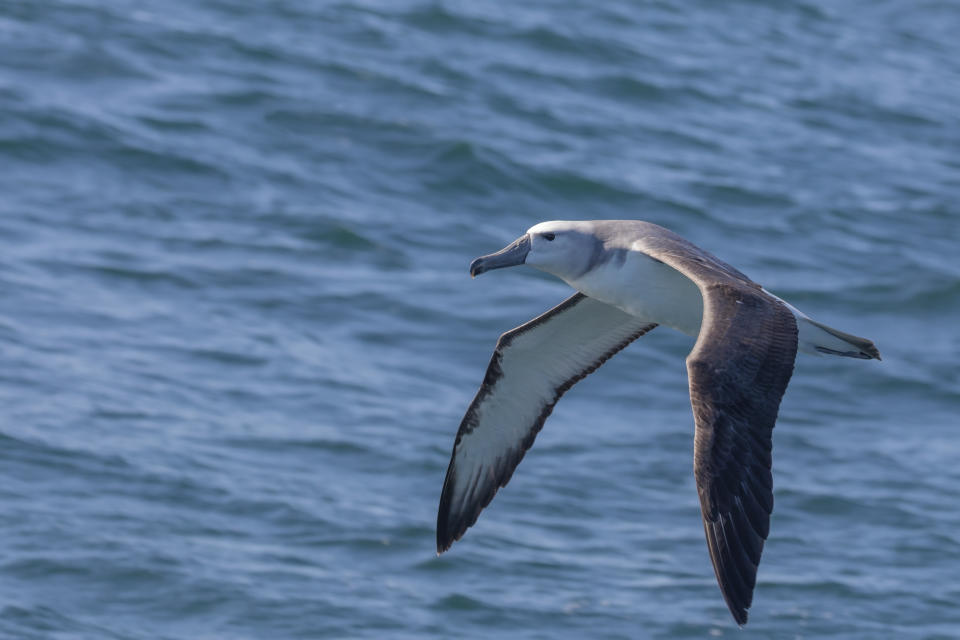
x: 738, y: 372
x: 532, y: 366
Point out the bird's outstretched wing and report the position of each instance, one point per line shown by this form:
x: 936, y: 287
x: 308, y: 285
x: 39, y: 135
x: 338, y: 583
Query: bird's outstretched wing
x: 738, y: 370
x: 532, y: 366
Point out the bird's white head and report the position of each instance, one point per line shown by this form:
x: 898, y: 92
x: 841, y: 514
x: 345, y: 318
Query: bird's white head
x: 563, y: 248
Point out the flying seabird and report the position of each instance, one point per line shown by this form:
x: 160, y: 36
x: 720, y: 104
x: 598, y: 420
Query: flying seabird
x: 631, y: 276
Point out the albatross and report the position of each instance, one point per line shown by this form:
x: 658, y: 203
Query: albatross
x: 631, y: 276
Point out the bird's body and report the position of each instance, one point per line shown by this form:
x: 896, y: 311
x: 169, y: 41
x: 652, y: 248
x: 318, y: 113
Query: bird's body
x: 645, y: 289
x: 630, y: 277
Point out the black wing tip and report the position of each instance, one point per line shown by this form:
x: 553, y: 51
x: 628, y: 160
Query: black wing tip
x: 444, y: 542
x: 737, y: 606
x: 738, y: 603
x: 736, y: 577
x: 453, y: 522
x: 449, y: 531
x: 445, y: 539
x: 449, y: 528
x: 739, y: 614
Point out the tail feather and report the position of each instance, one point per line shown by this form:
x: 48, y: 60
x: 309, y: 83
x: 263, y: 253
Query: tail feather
x: 816, y: 338
x: 849, y: 345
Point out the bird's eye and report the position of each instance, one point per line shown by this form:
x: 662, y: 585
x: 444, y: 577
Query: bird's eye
x: 549, y: 236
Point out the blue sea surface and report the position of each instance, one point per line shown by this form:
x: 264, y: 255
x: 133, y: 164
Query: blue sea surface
x: 237, y: 332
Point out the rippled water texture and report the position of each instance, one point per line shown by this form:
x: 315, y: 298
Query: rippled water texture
x: 238, y: 333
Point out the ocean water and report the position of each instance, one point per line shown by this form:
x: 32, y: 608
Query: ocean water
x: 237, y: 332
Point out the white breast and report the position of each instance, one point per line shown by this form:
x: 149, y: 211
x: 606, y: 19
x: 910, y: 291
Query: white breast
x: 647, y: 289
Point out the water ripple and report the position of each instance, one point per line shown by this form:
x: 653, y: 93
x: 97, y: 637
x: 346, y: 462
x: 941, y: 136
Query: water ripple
x: 239, y: 333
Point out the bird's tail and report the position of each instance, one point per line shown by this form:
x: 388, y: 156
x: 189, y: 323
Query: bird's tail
x: 815, y: 337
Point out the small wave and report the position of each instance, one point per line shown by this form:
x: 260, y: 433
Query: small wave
x: 461, y: 602
x: 278, y: 445
x: 139, y: 275
x: 437, y: 17
x: 461, y: 166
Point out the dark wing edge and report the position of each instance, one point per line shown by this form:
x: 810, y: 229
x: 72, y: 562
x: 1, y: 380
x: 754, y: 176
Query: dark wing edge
x: 738, y: 372
x: 454, y: 520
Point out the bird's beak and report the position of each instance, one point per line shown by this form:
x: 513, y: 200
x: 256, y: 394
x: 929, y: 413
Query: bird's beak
x: 511, y: 255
